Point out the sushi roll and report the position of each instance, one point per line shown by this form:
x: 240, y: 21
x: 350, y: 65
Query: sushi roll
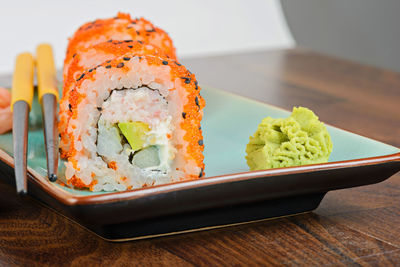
x: 121, y: 27
x: 88, y: 58
x: 129, y: 118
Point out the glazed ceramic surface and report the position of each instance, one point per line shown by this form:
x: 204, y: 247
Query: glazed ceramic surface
x: 229, y: 194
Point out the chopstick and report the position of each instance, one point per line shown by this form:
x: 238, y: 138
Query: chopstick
x: 48, y: 96
x: 21, y: 101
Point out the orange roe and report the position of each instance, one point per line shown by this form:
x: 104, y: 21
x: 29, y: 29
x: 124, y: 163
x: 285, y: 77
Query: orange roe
x: 112, y: 165
x: 77, y: 182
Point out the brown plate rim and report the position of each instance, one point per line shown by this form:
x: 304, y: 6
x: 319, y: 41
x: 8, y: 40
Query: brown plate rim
x: 71, y: 199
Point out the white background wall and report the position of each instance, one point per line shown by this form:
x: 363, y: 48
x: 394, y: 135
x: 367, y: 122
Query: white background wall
x: 197, y: 27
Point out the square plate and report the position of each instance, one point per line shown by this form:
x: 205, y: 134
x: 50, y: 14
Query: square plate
x: 230, y: 193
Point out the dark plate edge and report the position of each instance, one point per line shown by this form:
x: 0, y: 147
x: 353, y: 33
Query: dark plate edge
x: 69, y: 199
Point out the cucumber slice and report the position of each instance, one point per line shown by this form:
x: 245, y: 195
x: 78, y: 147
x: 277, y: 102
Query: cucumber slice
x: 147, y: 157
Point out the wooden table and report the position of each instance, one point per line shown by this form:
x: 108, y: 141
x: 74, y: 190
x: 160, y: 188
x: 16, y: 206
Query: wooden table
x: 351, y: 227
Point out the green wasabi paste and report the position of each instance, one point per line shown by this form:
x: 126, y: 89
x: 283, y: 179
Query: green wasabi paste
x: 297, y: 140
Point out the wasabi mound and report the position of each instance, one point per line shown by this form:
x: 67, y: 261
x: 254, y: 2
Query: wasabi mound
x: 297, y: 140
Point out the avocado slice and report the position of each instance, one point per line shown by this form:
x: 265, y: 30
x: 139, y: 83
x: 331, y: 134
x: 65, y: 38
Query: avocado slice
x: 135, y: 133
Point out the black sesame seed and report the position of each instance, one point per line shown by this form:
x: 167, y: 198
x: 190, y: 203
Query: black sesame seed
x: 140, y: 57
x: 59, y: 135
x: 126, y: 58
x: 140, y: 42
x: 200, y: 142
x: 130, y: 158
x: 138, y: 32
x: 130, y: 46
x: 120, y: 65
x: 133, y: 22
x: 108, y: 61
x: 91, y: 70
x: 80, y: 77
x: 187, y: 80
x: 197, y: 101
x: 178, y: 63
x: 99, y: 108
x: 184, y: 115
x: 109, y: 41
x: 108, y: 67
x: 74, y: 55
x: 199, y: 127
x: 201, y: 173
x: 128, y: 41
x: 70, y: 107
x: 165, y: 62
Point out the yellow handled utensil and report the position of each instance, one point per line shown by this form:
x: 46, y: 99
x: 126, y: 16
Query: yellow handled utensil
x: 48, y: 95
x: 21, y: 101
x: 46, y: 71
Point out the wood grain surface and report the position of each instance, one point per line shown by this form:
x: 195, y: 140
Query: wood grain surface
x: 358, y: 226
